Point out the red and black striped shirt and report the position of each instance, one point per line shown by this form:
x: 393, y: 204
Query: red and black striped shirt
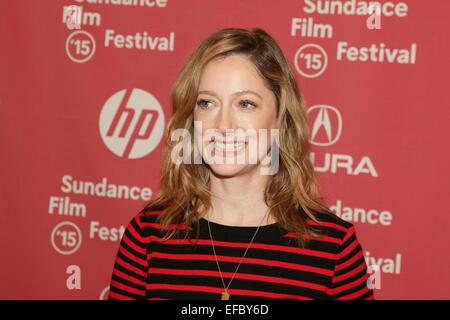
x: 330, y: 267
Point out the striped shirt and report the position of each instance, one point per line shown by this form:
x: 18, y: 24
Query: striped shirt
x: 329, y: 267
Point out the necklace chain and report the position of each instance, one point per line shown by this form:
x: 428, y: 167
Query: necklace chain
x: 217, y: 261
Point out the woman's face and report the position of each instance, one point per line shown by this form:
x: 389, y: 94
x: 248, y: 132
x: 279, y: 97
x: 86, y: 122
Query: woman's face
x: 233, y: 106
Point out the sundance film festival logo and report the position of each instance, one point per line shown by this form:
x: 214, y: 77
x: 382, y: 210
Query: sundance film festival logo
x: 66, y: 238
x: 326, y: 125
x: 80, y: 46
x: 131, y: 123
x: 311, y: 60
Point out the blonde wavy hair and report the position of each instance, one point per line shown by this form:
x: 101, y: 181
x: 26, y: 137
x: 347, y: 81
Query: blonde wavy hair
x: 185, y: 194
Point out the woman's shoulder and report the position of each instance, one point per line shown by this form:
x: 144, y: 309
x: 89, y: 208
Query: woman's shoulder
x: 334, y: 225
x: 148, y: 217
x: 143, y: 224
x: 333, y: 220
x: 150, y: 214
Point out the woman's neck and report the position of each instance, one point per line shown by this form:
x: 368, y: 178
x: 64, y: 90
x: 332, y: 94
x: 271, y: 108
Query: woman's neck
x: 239, y: 200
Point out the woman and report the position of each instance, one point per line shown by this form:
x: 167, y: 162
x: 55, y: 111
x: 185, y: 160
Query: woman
x: 221, y: 228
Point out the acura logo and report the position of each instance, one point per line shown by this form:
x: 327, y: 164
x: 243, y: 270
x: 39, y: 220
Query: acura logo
x: 326, y: 125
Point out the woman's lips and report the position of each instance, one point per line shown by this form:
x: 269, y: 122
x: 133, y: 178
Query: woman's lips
x: 229, y: 147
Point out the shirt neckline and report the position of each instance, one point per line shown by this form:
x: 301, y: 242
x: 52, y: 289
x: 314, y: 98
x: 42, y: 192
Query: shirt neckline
x: 224, y: 226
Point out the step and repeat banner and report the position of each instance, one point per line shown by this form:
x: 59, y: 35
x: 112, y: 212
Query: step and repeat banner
x: 85, y: 98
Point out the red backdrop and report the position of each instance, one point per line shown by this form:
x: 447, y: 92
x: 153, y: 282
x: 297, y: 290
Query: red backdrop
x: 81, y: 153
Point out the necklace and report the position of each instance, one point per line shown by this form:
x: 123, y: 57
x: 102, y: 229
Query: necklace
x: 225, y: 295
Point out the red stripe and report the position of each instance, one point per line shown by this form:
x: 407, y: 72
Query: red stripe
x: 354, y: 295
x: 179, y: 287
x: 323, y: 238
x: 348, y: 286
x: 347, y: 250
x: 126, y: 288
x: 255, y: 245
x: 133, y: 245
x: 352, y: 272
x: 129, y: 267
x: 152, y: 213
x: 272, y: 263
x: 132, y: 257
x: 119, y: 296
x: 267, y: 294
x: 310, y: 222
x: 170, y: 226
x: 350, y: 232
x: 349, y: 261
x: 126, y: 276
x: 328, y: 224
x: 137, y: 235
x: 239, y: 276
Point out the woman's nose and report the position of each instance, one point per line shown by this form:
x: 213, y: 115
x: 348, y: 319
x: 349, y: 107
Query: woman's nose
x: 225, y: 119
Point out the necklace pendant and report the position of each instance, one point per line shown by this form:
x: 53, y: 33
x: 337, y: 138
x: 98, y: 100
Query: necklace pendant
x: 225, y: 296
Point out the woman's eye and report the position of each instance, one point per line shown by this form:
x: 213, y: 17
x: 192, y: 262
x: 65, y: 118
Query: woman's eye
x: 247, y: 104
x: 203, y: 103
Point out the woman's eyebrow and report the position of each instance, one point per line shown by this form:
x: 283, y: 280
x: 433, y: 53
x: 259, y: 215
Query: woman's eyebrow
x: 237, y: 93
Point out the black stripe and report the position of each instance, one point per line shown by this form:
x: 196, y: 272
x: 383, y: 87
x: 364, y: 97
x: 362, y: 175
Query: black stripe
x: 129, y: 272
x: 125, y: 293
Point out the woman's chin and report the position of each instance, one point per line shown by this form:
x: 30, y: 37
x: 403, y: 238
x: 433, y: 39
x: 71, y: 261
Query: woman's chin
x: 228, y: 170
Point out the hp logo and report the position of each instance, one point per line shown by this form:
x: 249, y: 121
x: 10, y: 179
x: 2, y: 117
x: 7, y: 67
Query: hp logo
x: 131, y: 123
